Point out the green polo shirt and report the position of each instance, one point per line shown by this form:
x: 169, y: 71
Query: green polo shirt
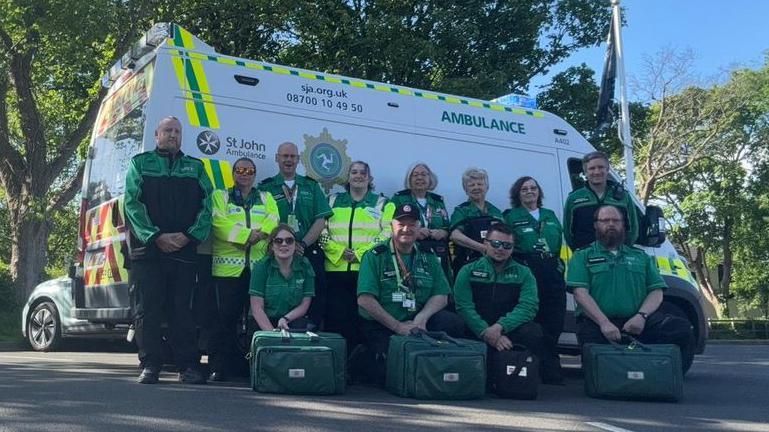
x: 281, y: 295
x: 531, y: 235
x: 468, y: 210
x: 618, y: 283
x: 310, y: 201
x: 480, y: 291
x: 377, y: 277
x: 434, y: 212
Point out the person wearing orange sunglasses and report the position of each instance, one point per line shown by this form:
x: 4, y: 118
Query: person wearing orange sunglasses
x: 242, y: 219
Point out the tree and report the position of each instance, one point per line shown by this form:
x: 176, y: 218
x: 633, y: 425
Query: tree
x: 573, y: 95
x: 49, y: 97
x: 479, y: 48
x: 713, y: 188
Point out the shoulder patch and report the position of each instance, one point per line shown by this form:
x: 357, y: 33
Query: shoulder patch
x: 480, y: 274
x: 596, y: 260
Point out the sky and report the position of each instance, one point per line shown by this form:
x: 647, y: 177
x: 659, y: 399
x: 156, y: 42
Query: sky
x: 722, y: 34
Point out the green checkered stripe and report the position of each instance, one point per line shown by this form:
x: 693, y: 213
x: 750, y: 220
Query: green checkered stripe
x: 282, y: 70
x: 228, y: 261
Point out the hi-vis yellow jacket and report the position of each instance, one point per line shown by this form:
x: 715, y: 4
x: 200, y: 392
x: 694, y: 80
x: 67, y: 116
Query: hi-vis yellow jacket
x: 232, y: 222
x: 355, y: 225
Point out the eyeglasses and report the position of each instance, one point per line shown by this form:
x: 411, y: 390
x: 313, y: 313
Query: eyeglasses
x: 608, y: 220
x: 280, y: 240
x: 496, y: 244
x: 245, y: 171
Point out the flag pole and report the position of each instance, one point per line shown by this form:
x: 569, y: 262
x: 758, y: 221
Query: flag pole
x: 627, y: 140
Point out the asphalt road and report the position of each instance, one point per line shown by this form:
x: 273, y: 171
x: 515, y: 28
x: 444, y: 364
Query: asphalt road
x: 726, y: 390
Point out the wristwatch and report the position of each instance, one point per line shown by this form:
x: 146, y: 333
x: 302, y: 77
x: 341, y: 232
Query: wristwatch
x: 644, y: 315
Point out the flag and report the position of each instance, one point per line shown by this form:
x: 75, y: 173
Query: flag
x: 603, y: 113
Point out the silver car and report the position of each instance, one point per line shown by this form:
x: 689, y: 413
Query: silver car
x: 47, y: 319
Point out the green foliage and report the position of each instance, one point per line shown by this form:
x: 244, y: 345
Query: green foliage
x: 62, y: 242
x: 717, y: 186
x: 478, y: 48
x: 10, y: 309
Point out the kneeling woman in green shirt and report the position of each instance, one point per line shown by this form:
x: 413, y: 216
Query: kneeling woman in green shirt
x: 282, y: 284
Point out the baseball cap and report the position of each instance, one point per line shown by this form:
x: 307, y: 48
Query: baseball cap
x: 404, y: 211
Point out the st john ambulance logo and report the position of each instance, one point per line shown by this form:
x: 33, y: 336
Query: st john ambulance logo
x: 208, y: 143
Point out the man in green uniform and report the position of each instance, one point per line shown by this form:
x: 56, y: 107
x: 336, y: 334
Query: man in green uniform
x: 303, y: 206
x: 497, y: 297
x: 401, y: 288
x: 582, y: 204
x: 168, y: 210
x: 618, y: 289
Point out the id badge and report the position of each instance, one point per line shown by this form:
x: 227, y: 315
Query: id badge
x: 293, y: 222
x: 409, y: 304
x: 397, y: 297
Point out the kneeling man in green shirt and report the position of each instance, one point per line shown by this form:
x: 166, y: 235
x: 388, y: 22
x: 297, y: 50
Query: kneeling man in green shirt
x: 401, y: 288
x: 618, y: 289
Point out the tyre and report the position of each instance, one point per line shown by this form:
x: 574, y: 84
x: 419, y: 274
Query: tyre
x: 687, y: 355
x: 44, y: 327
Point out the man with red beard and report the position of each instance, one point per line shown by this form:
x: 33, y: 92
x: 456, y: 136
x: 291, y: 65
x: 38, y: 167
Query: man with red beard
x: 618, y: 289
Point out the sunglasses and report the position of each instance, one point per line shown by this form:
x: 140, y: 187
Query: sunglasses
x: 245, y: 171
x: 496, y: 244
x: 280, y: 240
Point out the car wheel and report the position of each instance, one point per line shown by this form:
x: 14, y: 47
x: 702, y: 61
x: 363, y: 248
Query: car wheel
x: 687, y: 358
x: 44, y: 327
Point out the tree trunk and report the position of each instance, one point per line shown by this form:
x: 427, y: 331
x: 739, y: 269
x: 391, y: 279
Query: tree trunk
x: 728, y: 264
x: 29, y: 254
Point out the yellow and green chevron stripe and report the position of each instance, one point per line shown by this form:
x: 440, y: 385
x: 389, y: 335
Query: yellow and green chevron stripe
x: 220, y: 173
x: 183, y: 39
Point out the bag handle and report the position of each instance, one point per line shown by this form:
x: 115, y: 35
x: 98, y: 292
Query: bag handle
x: 633, y: 343
x: 434, y: 337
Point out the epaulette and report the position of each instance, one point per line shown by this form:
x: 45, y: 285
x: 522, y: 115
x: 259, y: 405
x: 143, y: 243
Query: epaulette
x: 380, y: 248
x: 435, y: 196
x: 266, y: 181
x: 465, y: 204
x: 312, y: 180
x: 403, y: 192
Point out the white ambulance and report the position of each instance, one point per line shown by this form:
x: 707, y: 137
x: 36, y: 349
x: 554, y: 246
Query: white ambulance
x: 232, y: 107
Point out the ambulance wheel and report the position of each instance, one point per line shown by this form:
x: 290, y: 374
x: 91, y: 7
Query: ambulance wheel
x: 44, y: 327
x: 687, y: 355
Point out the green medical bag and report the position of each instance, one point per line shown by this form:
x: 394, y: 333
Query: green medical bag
x: 633, y: 371
x: 298, y: 363
x: 432, y: 365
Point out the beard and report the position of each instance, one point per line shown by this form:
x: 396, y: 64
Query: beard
x: 610, y: 238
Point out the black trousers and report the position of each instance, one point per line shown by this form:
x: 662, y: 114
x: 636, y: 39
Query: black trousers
x: 660, y: 328
x: 552, y: 309
x: 342, y: 307
x: 161, y: 291
x: 231, y: 300
x: 318, y: 306
x: 377, y: 341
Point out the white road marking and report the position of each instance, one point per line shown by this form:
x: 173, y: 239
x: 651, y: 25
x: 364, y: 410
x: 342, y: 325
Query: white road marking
x: 607, y: 427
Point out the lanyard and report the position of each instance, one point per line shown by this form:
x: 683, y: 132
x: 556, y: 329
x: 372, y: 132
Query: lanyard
x: 291, y: 196
x: 400, y: 266
x: 424, y: 213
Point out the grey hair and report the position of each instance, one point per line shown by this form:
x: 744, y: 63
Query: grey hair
x: 474, y: 174
x: 433, y: 177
